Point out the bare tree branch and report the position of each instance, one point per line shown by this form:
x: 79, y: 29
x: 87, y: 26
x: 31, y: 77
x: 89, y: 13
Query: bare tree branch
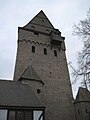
x: 83, y: 60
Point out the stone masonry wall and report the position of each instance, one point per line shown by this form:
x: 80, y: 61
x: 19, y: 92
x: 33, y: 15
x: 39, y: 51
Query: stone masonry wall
x: 53, y: 71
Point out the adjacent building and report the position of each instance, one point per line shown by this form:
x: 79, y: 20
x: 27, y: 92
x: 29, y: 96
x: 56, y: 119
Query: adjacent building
x: 82, y: 104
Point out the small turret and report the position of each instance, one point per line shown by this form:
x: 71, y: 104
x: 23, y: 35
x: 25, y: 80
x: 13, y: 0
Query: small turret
x: 56, y: 38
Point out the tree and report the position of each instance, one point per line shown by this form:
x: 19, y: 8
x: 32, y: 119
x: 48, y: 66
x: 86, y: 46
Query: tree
x: 83, y: 72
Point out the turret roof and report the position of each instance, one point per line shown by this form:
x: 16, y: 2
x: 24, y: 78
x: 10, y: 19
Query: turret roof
x: 30, y: 74
x: 83, y: 95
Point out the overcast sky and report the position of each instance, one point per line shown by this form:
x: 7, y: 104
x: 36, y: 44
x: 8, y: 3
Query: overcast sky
x: 63, y: 14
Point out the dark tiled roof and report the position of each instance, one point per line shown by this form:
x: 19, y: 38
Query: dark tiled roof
x: 30, y: 74
x: 83, y: 95
x: 37, y: 20
x: 14, y: 93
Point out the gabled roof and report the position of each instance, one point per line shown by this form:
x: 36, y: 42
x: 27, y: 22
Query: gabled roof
x: 30, y: 74
x: 83, y: 95
x: 41, y: 20
x: 14, y: 93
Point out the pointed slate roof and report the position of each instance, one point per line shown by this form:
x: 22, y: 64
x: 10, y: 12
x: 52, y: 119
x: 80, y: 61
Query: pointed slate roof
x: 30, y: 74
x: 83, y: 95
x: 41, y: 20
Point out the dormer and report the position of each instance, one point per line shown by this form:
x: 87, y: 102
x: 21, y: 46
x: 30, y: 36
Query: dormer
x: 56, y: 38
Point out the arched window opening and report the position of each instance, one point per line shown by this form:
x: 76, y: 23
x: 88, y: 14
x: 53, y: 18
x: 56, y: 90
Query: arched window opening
x: 45, y: 51
x: 33, y: 49
x: 55, y: 53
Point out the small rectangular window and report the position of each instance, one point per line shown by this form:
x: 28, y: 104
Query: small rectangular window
x: 36, y: 33
x: 33, y: 26
x: 47, y: 30
x: 42, y: 20
x: 55, y: 53
x: 45, y: 51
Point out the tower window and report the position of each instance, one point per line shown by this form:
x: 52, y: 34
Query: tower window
x: 47, y: 30
x: 78, y: 111
x: 33, y: 26
x: 42, y: 20
x: 55, y: 53
x: 50, y: 73
x: 45, y: 51
x: 36, y: 33
x: 38, y: 91
x: 33, y: 49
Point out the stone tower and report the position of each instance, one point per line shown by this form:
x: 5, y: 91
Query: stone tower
x: 41, y: 63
